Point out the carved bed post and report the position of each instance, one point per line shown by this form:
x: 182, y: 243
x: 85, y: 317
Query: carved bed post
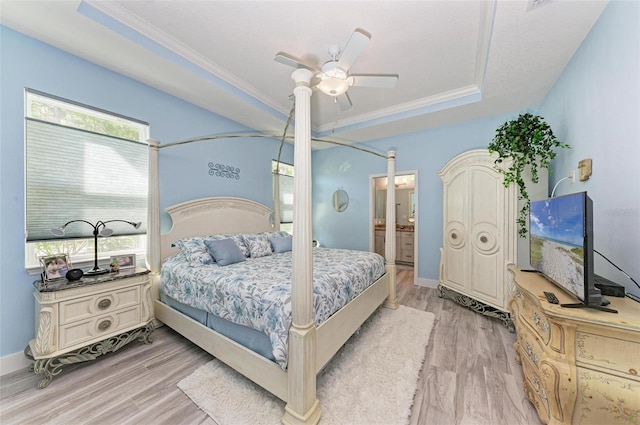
x: 153, y: 220
x: 390, y: 230
x: 302, y: 405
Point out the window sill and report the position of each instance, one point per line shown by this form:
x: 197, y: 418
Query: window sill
x: 87, y: 264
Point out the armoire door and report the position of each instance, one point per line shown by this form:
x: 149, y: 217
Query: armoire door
x: 485, y: 218
x: 455, y: 253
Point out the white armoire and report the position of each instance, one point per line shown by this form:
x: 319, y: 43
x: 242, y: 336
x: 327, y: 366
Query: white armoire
x: 480, y: 233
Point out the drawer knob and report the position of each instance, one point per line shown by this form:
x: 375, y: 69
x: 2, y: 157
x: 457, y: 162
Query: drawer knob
x: 483, y: 239
x: 104, y: 304
x: 104, y: 325
x: 633, y: 371
x: 454, y: 236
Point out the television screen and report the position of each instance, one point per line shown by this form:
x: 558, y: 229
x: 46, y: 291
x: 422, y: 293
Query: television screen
x: 558, y: 237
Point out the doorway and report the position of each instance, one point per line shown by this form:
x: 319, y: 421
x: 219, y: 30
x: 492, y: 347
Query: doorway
x: 407, y: 221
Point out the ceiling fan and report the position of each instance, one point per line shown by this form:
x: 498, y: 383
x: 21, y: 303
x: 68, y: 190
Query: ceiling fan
x: 334, y: 75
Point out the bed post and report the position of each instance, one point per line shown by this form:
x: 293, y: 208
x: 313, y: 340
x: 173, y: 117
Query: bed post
x: 302, y: 405
x: 153, y: 220
x: 390, y: 231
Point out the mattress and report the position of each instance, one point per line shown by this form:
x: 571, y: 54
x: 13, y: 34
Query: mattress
x: 256, y: 293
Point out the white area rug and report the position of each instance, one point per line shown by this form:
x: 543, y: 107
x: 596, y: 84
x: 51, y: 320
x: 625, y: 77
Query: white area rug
x: 371, y: 380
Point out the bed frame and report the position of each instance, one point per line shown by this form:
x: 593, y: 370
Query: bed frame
x: 310, y: 347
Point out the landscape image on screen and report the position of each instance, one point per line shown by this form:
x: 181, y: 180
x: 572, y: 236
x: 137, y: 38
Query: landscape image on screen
x: 557, y: 241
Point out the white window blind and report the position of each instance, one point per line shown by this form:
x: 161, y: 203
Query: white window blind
x: 286, y: 199
x: 74, y: 174
x: 285, y: 187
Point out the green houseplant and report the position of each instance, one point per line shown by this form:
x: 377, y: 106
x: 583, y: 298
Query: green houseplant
x: 526, y: 141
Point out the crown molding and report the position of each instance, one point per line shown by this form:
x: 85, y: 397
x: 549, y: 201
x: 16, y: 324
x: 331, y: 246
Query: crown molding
x: 422, y: 106
x: 165, y: 41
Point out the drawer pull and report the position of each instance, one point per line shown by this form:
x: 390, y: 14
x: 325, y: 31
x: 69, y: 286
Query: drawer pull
x: 104, y: 325
x: 104, y: 304
x: 633, y: 371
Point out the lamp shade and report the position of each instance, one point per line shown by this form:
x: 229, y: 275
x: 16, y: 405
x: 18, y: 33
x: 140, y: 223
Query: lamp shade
x: 57, y: 231
x: 105, y: 231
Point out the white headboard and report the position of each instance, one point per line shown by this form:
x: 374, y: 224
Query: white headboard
x: 212, y: 216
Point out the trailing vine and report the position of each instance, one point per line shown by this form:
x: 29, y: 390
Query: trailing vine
x: 527, y: 141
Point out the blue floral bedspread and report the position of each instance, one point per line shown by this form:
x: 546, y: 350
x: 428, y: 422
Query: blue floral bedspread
x: 257, y: 292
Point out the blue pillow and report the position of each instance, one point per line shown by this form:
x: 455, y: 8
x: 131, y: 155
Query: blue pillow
x: 281, y: 244
x: 224, y: 251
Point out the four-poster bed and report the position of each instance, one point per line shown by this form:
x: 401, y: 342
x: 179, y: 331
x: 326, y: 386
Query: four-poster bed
x: 310, y: 346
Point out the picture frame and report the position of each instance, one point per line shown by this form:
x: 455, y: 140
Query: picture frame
x: 122, y: 262
x: 54, y: 266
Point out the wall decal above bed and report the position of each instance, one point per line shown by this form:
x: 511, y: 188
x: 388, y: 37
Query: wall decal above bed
x: 221, y: 170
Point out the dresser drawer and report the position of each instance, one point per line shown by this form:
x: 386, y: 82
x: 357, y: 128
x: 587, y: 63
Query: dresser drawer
x: 99, y: 327
x: 534, y: 389
x: 607, y: 399
x: 595, y: 350
x: 86, y: 307
x: 530, y: 347
x: 534, y: 317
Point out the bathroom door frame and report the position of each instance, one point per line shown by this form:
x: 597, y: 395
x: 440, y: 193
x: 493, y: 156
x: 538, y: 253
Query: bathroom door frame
x: 416, y: 224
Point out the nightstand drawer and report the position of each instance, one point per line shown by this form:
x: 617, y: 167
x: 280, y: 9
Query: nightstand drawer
x: 89, y: 306
x: 99, y: 327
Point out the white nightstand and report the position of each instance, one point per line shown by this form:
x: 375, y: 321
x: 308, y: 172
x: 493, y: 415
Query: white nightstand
x: 79, y: 321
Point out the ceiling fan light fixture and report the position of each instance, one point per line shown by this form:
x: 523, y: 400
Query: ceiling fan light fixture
x: 333, y: 86
x: 333, y: 79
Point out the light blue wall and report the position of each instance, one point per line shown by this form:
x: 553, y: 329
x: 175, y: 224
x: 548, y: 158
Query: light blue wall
x: 595, y: 107
x: 184, y: 170
x: 426, y: 151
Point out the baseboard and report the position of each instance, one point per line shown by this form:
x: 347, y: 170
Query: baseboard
x: 427, y: 283
x: 13, y: 362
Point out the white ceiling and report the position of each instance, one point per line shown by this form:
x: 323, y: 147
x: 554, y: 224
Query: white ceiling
x: 456, y: 60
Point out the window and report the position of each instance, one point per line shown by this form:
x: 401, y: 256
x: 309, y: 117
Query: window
x: 285, y: 178
x: 82, y: 164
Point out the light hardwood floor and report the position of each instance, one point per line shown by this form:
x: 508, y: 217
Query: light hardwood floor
x: 468, y: 377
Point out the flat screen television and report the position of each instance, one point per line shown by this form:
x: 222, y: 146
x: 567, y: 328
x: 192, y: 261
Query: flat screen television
x: 561, y: 246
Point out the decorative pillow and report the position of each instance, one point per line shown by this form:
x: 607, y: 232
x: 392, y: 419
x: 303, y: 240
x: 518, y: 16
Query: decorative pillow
x: 258, y: 245
x: 195, y: 251
x: 238, y: 239
x: 281, y: 244
x: 224, y: 251
x: 277, y: 234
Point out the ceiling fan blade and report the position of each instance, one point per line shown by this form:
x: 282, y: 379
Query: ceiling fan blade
x: 292, y: 61
x: 355, y: 46
x: 343, y: 101
x: 385, y: 81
